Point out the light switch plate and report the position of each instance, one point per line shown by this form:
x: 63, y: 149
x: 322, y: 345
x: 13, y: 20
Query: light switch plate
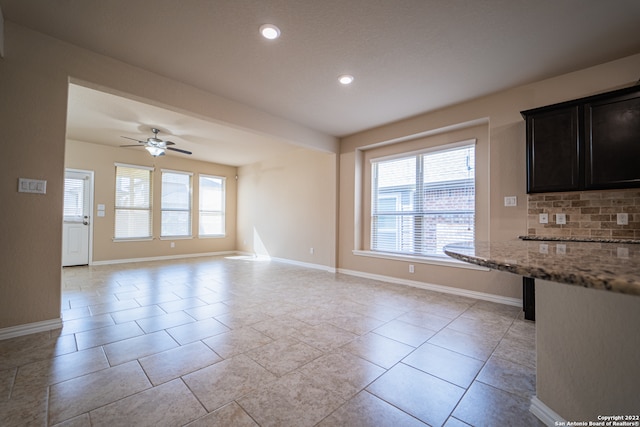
x: 26, y: 185
x: 561, y: 219
x: 511, y: 201
x: 543, y: 218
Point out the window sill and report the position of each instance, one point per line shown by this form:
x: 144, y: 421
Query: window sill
x: 212, y: 236
x: 176, y: 237
x: 445, y: 262
x: 133, y: 239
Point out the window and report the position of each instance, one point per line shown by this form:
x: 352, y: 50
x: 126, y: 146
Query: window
x: 212, y: 194
x: 422, y: 202
x: 176, y: 204
x: 133, y: 202
x: 73, y: 199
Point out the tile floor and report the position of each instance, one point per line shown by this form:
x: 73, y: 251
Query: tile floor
x: 240, y: 342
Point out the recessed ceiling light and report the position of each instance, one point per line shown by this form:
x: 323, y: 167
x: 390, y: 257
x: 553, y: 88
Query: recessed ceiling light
x: 270, y: 31
x: 346, y: 79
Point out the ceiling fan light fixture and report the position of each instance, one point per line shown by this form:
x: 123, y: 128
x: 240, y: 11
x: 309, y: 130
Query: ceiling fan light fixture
x: 155, y: 151
x: 269, y: 31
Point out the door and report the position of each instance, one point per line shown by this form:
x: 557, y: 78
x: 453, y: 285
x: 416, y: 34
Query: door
x: 77, y: 217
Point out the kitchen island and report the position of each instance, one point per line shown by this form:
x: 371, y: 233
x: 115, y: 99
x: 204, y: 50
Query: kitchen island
x: 587, y: 323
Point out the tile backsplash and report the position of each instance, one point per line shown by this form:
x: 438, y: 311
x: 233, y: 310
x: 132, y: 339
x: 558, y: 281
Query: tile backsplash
x: 590, y: 214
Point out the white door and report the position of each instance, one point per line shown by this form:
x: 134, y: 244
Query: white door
x: 77, y: 217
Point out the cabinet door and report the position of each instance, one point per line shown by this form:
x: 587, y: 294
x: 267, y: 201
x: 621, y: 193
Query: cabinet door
x: 612, y: 142
x: 553, y: 151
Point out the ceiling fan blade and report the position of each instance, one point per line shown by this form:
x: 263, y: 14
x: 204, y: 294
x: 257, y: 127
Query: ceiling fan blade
x: 132, y: 145
x: 169, y: 143
x: 133, y: 139
x: 179, y: 150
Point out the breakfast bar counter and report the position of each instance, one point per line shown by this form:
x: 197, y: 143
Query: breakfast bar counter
x: 608, y: 266
x: 587, y: 311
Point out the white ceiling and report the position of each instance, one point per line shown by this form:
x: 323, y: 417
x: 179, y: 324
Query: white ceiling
x: 408, y: 56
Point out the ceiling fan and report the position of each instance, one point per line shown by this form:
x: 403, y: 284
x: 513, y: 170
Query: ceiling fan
x: 154, y: 145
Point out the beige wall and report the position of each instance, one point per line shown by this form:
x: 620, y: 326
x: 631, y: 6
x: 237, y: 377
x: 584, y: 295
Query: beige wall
x: 505, y: 170
x: 34, y: 78
x: 101, y: 159
x: 287, y: 205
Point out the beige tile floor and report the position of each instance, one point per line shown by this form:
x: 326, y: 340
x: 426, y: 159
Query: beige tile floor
x: 240, y: 342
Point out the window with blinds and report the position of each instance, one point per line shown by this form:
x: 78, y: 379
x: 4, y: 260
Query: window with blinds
x: 422, y: 202
x: 176, y: 204
x: 133, y: 202
x: 212, y: 206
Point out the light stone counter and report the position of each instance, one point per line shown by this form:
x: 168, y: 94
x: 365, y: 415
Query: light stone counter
x: 609, y: 266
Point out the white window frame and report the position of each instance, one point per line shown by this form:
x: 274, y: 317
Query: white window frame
x: 202, y: 211
x: 166, y: 210
x: 148, y: 208
x: 417, y: 246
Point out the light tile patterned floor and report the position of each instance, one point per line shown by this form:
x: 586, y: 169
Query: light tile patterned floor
x: 241, y: 342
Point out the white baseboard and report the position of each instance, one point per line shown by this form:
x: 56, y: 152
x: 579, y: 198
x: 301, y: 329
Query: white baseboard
x: 438, y: 288
x: 544, y: 413
x: 30, y: 328
x: 162, y: 258
x: 305, y: 264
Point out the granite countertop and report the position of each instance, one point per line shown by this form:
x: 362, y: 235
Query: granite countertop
x: 609, y: 266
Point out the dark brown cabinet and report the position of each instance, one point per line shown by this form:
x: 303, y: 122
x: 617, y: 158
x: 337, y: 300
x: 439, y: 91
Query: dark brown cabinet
x: 584, y: 144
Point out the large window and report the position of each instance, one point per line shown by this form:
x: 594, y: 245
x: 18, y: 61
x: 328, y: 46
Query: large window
x: 422, y: 202
x: 212, y: 194
x: 133, y: 202
x: 176, y: 204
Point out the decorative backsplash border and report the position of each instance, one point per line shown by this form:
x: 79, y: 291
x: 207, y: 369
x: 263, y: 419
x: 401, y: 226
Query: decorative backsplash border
x: 591, y: 214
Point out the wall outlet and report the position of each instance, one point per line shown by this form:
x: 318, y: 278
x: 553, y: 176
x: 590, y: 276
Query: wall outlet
x: 173, y: 244
x: 622, y: 219
x: 311, y: 251
x: 561, y: 219
x: 411, y: 269
x: 543, y: 218
x: 511, y: 201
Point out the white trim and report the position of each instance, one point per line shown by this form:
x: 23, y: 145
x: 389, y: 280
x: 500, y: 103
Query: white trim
x: 132, y: 239
x: 472, y: 142
x: 126, y: 165
x: 30, y: 328
x: 545, y: 414
x: 162, y: 258
x: 438, y: 288
x: 306, y: 264
x: 445, y: 262
x: 177, y: 172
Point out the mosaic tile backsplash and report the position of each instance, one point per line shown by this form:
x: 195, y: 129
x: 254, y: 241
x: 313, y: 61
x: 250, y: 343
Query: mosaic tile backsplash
x: 589, y: 214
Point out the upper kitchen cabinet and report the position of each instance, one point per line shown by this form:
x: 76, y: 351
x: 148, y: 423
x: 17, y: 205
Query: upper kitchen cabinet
x: 584, y: 144
x: 553, y: 150
x: 612, y: 142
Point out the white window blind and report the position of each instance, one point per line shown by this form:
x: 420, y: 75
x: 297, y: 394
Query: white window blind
x: 212, y: 206
x: 176, y: 204
x: 422, y: 202
x: 133, y: 202
x: 73, y: 199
